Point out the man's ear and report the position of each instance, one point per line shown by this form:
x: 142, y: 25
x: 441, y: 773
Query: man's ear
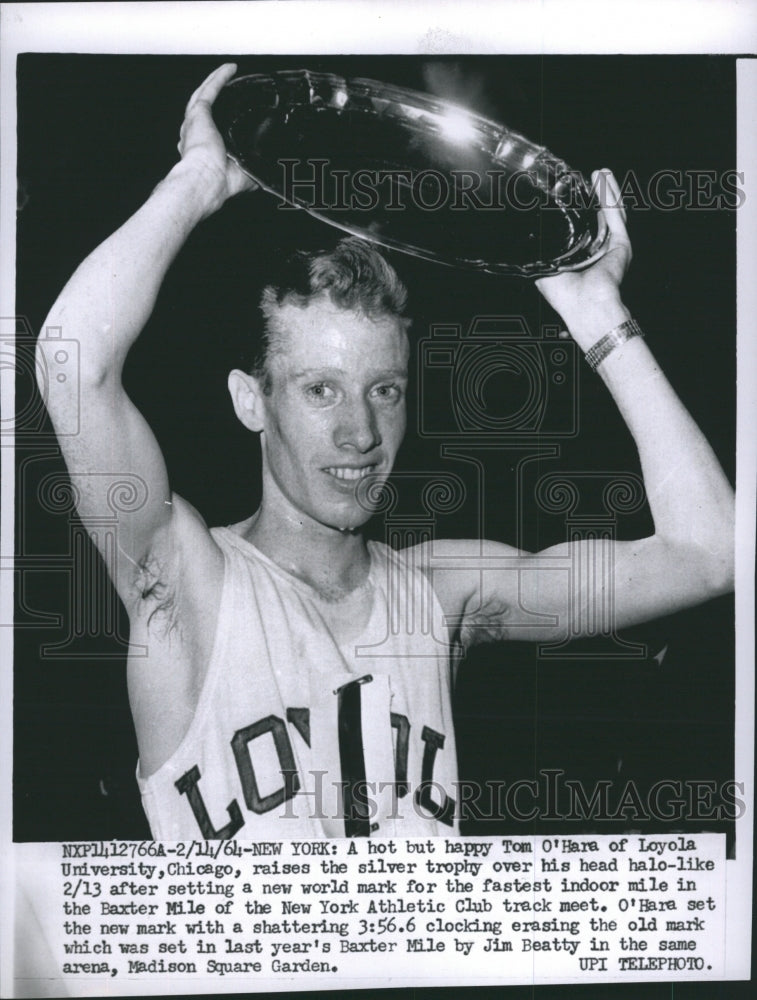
x: 247, y: 397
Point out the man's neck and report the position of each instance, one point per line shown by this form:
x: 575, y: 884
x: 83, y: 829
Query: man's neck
x: 333, y: 562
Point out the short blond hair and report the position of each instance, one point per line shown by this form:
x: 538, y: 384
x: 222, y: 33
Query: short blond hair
x: 354, y: 276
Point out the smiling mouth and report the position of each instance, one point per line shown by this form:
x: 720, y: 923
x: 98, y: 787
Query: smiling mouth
x: 349, y: 473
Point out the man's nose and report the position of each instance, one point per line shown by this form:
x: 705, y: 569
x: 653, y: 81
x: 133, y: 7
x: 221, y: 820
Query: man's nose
x: 358, y: 427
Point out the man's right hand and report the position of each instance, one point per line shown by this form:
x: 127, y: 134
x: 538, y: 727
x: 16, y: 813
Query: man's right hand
x: 202, y: 147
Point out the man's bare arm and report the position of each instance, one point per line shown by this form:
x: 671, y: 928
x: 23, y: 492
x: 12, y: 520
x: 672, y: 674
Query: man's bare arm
x: 585, y: 587
x: 104, y: 307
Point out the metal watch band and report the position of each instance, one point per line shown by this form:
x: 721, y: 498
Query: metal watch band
x: 605, y: 345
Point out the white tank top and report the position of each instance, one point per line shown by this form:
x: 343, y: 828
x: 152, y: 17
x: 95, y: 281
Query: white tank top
x: 300, y: 733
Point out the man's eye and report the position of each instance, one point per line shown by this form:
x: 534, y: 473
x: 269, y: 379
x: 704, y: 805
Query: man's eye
x: 389, y: 391
x: 320, y: 392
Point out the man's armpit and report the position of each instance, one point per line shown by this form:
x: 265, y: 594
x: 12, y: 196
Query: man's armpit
x: 154, y: 599
x: 485, y: 621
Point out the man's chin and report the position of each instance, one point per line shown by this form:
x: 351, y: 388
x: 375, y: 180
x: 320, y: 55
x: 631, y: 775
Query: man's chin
x: 352, y: 521
x: 354, y: 511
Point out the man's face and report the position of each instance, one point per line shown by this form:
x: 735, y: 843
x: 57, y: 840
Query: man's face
x: 336, y: 410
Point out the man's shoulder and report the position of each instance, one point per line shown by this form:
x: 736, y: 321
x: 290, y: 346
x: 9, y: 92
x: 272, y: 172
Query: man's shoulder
x: 442, y: 556
x: 454, y: 566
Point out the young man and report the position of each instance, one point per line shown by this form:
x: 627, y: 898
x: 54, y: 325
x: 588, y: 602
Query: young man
x: 297, y: 679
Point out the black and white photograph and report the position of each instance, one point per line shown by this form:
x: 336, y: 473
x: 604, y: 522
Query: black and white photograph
x: 373, y: 467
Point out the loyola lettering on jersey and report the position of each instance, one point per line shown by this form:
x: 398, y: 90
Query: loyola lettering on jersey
x: 359, y: 799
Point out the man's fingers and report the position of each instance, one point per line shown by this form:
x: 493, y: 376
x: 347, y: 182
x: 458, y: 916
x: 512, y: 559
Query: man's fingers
x: 212, y: 85
x: 200, y: 103
x: 607, y: 189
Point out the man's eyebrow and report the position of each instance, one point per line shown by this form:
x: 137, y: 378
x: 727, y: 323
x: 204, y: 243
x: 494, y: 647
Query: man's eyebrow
x: 307, y: 372
x: 320, y: 372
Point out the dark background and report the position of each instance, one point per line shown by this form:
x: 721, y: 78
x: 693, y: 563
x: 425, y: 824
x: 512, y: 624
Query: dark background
x: 95, y: 134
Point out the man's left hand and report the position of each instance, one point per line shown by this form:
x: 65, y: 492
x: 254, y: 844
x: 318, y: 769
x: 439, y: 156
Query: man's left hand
x: 588, y: 300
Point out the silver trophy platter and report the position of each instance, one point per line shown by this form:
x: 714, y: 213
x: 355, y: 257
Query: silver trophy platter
x: 410, y: 172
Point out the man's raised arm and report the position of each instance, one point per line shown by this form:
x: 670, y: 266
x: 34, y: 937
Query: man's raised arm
x: 104, y: 307
x: 495, y: 591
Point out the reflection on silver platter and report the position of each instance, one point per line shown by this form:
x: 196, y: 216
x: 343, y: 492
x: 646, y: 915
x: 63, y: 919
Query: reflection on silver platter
x: 411, y: 172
